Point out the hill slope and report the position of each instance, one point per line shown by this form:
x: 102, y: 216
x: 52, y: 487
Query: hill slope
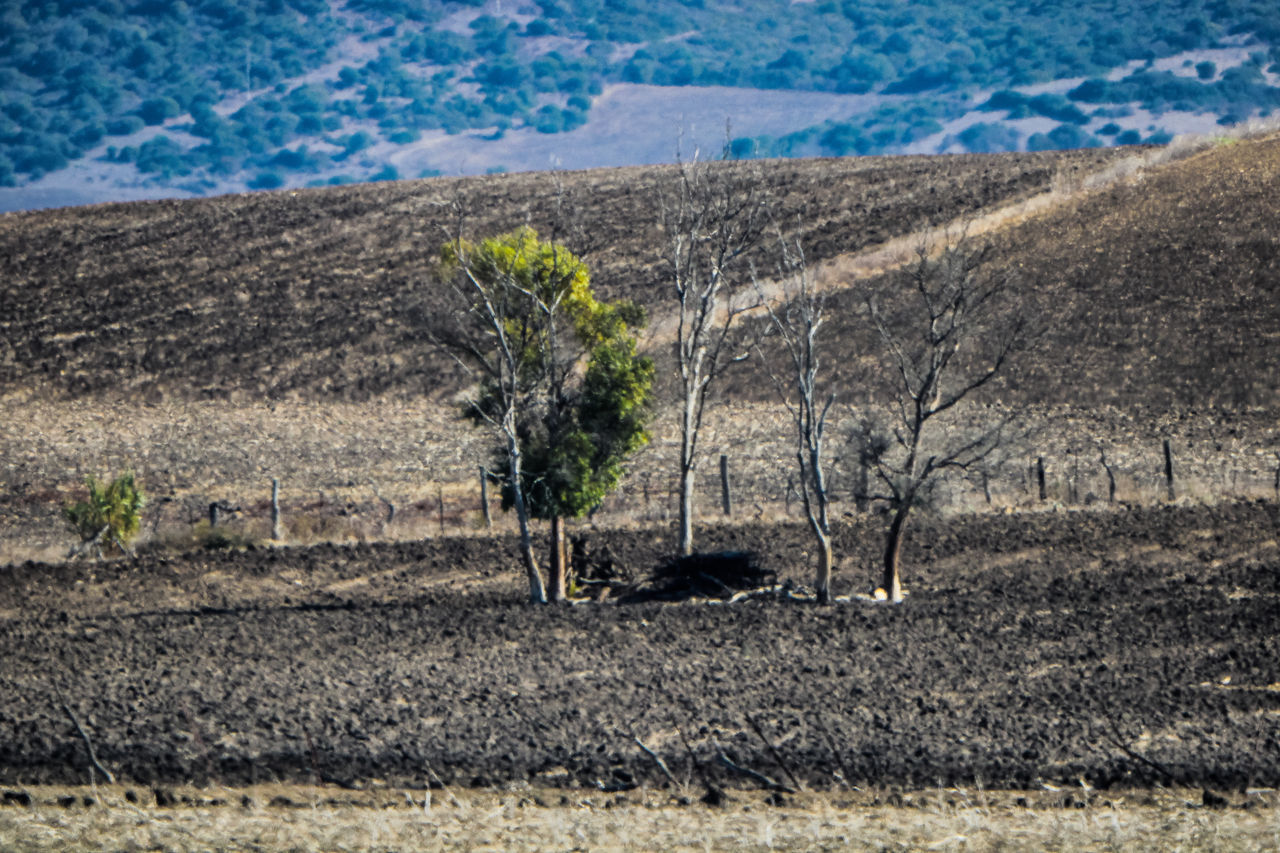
x: 216, y: 344
x: 323, y: 292
x: 113, y: 99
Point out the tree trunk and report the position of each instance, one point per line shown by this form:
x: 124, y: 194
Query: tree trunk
x: 826, y: 562
x: 688, y: 444
x: 686, y: 512
x: 559, y: 570
x: 892, y: 582
x: 537, y: 592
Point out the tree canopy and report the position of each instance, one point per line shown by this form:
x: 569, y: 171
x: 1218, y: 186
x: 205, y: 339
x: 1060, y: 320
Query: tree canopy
x: 560, y: 373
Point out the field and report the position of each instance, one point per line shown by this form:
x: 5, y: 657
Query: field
x: 1123, y: 648
x: 1118, y: 653
x: 1042, y: 660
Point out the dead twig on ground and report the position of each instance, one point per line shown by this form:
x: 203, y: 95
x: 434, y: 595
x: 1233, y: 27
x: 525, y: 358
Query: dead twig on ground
x: 777, y: 756
x: 657, y: 759
x: 831, y: 744
x: 767, y: 782
x: 88, y: 744
x: 714, y: 795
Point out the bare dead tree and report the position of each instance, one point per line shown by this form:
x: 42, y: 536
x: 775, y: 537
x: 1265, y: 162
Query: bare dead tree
x: 713, y: 217
x: 487, y: 329
x: 795, y: 323
x: 949, y: 331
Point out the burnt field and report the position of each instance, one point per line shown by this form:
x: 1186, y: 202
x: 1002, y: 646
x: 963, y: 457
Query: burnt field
x: 326, y: 293
x: 1120, y: 648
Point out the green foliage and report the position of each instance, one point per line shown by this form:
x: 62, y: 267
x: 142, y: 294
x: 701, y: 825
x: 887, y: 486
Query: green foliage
x: 112, y: 514
x: 1062, y: 137
x: 1241, y: 89
x: 587, y: 391
x: 984, y: 138
x: 573, y: 465
x: 71, y: 73
x: 885, y: 128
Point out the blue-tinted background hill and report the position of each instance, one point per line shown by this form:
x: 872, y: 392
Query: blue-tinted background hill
x: 121, y: 99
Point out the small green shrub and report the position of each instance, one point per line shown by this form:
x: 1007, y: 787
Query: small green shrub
x: 111, y: 516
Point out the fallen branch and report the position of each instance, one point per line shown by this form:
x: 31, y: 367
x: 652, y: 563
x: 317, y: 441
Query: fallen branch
x: 714, y: 795
x: 771, y: 784
x: 657, y: 759
x: 777, y: 756
x: 724, y: 586
x: 831, y: 744
x: 93, y: 757
x: 1119, y: 744
x: 750, y: 593
x: 443, y: 787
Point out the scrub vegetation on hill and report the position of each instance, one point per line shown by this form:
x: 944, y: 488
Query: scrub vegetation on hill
x: 275, y: 89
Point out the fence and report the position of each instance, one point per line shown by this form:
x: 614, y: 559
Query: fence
x: 750, y: 490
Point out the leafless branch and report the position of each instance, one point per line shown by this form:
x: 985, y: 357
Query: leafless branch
x: 657, y: 759
x: 763, y: 780
x: 88, y: 744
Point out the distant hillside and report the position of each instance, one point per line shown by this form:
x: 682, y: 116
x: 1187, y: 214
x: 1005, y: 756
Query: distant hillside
x: 325, y: 293
x: 1160, y: 289
x: 113, y: 99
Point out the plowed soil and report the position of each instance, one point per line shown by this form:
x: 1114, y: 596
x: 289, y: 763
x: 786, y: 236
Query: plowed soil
x: 1158, y: 291
x: 1119, y: 648
x: 327, y: 293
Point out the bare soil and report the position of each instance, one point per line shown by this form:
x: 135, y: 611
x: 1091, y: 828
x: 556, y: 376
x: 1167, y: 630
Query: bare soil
x: 326, y: 293
x: 1122, y: 648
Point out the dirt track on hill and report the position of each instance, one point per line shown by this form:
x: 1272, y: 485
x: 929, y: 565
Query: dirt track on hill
x: 1132, y: 647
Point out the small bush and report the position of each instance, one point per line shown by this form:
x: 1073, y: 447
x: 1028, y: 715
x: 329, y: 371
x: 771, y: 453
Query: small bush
x: 111, y: 516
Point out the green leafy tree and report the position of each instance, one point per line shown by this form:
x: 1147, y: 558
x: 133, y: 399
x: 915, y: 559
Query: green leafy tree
x: 112, y: 514
x: 561, y: 380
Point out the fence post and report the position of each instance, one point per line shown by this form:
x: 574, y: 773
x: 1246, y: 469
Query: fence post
x: 1168, y: 470
x: 440, y: 505
x: 276, y: 532
x: 213, y: 514
x: 1040, y: 478
x: 484, y: 497
x: 724, y: 485
x: 1073, y: 489
x: 1111, y: 476
x: 1277, y: 480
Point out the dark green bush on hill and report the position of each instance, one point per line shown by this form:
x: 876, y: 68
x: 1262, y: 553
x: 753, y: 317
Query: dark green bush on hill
x: 72, y: 73
x: 985, y: 138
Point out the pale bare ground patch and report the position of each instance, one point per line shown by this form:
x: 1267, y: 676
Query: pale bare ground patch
x: 296, y: 818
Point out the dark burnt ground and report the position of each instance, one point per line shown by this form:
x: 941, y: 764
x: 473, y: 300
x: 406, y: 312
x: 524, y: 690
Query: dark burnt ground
x: 326, y: 293
x: 1132, y: 647
x: 1158, y: 293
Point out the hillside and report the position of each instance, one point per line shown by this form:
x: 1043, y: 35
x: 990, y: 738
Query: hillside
x: 118, y: 99
x: 1159, y: 291
x: 217, y: 344
x: 323, y: 293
